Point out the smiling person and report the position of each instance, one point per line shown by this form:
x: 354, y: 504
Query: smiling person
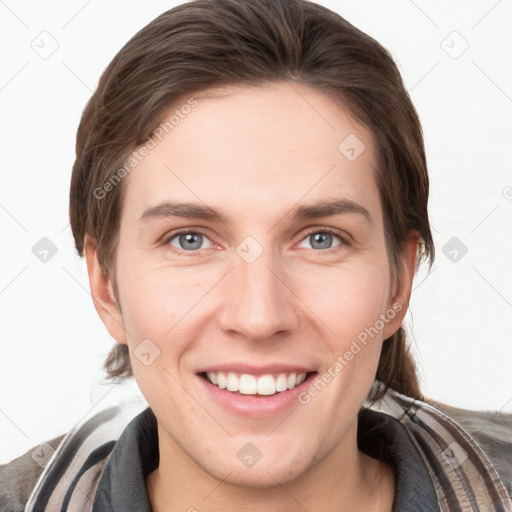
x: 250, y: 193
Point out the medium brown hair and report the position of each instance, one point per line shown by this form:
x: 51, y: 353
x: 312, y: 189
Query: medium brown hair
x: 210, y: 43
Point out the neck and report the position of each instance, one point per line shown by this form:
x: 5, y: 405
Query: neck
x: 346, y: 480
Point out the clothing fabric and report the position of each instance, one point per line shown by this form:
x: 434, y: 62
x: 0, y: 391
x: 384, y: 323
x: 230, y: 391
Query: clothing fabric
x: 101, y: 464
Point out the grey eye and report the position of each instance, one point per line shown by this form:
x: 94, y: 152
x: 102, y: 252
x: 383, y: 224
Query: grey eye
x: 321, y: 240
x: 189, y: 241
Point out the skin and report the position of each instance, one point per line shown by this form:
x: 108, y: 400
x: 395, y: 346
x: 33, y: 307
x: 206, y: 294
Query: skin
x: 255, y: 154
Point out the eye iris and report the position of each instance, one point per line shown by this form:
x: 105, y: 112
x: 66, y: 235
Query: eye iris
x: 190, y: 241
x: 188, y: 238
x: 324, y: 239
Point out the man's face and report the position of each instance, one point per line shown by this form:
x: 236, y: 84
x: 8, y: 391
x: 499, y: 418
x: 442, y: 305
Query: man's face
x: 262, y: 291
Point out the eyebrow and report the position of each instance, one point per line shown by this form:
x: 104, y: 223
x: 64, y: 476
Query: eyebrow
x: 326, y: 208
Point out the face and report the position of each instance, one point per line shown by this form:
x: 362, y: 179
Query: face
x: 252, y: 251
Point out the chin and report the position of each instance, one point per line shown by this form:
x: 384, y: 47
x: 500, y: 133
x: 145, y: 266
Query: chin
x: 250, y: 467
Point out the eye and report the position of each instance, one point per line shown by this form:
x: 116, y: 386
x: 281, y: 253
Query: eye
x: 193, y: 241
x: 322, y: 239
x: 190, y: 241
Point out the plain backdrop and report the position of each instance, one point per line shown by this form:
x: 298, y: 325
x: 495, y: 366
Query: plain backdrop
x: 455, y: 58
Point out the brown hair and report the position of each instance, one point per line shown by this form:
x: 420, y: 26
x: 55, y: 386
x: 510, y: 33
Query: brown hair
x: 211, y: 43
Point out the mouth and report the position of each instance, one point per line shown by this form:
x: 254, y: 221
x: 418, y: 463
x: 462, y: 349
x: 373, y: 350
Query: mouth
x: 255, y: 391
x: 264, y: 385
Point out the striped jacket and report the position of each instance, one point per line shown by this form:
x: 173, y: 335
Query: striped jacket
x: 444, y: 458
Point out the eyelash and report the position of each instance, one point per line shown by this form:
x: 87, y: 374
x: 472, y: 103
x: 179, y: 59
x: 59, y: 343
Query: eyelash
x: 345, y: 239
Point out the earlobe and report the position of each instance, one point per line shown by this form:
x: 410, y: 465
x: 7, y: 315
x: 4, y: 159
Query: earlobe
x: 402, y: 290
x: 103, y: 295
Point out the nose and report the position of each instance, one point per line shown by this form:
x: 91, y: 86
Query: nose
x: 259, y: 302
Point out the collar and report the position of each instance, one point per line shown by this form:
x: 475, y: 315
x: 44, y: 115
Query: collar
x: 135, y: 456
x: 102, y: 463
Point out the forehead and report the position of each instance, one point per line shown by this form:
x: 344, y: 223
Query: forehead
x: 260, y: 148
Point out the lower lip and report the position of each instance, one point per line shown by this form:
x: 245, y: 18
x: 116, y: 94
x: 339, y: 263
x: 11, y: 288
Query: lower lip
x: 256, y: 406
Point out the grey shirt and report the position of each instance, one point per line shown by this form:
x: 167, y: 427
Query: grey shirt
x: 122, y: 484
x: 103, y: 462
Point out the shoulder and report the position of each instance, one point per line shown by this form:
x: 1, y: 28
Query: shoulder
x: 19, y: 476
x: 492, y: 431
x: 76, y: 461
x: 468, y: 453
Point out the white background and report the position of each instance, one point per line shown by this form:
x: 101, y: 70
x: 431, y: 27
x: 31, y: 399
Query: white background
x: 52, y: 341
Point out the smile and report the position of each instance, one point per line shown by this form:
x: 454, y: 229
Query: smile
x: 247, y: 384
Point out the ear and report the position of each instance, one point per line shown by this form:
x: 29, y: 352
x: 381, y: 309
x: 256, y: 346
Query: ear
x: 401, y: 292
x: 103, y: 295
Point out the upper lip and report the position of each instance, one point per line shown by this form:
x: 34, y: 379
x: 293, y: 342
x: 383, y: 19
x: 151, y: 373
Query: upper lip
x: 256, y: 370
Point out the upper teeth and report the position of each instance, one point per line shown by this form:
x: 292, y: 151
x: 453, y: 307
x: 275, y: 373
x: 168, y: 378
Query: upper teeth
x: 251, y: 385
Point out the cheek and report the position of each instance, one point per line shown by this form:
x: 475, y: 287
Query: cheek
x: 349, y: 306
x: 157, y: 302
x: 158, y: 306
x: 347, y: 300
